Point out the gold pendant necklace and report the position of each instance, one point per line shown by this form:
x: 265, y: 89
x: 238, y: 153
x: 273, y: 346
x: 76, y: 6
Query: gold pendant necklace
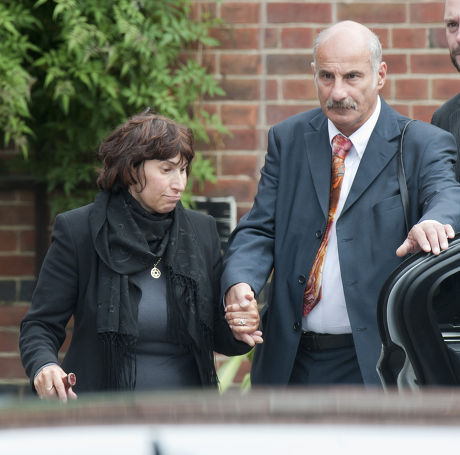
x: 155, y: 272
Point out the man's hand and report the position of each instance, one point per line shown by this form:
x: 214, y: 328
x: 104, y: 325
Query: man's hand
x: 428, y: 236
x: 242, y: 314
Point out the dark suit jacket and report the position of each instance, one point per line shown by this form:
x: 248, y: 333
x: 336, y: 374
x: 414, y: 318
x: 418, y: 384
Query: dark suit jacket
x: 447, y: 117
x: 283, y: 230
x: 67, y: 286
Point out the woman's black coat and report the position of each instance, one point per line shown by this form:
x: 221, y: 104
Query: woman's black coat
x: 67, y: 286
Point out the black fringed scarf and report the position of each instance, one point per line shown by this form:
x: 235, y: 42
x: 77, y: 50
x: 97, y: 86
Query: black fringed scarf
x: 128, y: 239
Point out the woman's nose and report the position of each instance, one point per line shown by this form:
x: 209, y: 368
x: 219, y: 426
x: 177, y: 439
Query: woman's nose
x: 179, y: 180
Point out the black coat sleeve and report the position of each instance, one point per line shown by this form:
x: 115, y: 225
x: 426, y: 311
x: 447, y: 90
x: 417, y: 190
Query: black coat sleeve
x: 43, y: 329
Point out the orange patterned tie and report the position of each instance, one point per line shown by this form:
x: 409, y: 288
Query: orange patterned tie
x: 312, y: 295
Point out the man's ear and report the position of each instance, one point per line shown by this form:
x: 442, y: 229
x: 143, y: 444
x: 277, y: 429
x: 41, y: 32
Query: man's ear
x: 381, y: 76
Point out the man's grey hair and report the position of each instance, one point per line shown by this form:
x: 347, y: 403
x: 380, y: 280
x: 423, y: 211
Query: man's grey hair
x: 375, y: 50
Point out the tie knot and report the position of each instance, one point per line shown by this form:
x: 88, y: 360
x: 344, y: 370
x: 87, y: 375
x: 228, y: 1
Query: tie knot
x: 341, y: 145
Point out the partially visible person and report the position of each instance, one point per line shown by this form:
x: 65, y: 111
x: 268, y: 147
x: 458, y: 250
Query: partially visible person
x: 328, y: 219
x: 447, y: 116
x: 138, y: 273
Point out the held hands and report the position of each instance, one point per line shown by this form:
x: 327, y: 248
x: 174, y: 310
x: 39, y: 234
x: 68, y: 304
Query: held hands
x: 52, y: 382
x: 428, y: 236
x: 242, y: 314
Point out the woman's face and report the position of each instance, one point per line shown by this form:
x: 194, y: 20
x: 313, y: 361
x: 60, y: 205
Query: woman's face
x: 164, y: 184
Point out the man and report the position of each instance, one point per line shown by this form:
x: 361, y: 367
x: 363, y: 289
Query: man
x: 324, y: 330
x: 447, y: 116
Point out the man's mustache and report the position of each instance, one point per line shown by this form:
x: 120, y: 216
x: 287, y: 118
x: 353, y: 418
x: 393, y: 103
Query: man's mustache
x: 348, y: 103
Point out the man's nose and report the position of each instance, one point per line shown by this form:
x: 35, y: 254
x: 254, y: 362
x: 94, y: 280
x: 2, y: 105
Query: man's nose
x: 339, y: 91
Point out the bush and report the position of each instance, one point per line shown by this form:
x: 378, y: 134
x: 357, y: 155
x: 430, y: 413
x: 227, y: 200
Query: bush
x: 72, y: 70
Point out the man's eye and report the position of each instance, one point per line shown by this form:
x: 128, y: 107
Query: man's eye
x: 452, y: 25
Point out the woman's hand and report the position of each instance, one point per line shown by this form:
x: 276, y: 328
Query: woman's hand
x: 242, y: 314
x: 52, y: 382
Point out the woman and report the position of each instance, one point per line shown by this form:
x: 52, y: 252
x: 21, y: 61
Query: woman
x: 138, y: 273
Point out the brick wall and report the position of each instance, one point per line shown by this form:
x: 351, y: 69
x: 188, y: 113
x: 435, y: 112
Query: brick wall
x: 263, y: 63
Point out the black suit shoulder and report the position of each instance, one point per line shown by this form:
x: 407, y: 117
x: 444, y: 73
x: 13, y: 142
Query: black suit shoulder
x: 442, y: 114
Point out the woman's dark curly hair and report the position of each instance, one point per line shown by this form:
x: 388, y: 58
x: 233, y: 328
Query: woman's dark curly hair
x: 145, y: 136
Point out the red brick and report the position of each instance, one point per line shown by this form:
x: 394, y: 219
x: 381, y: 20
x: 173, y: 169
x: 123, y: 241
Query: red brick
x: 9, y: 341
x: 372, y: 12
x: 239, y: 115
x: 211, y: 109
x: 423, y: 112
x: 277, y: 113
x: 27, y: 241
x: 396, y: 63
x: 402, y: 109
x: 247, y: 139
x: 9, y: 196
x: 236, y: 38
x: 426, y: 12
x: 8, y: 240
x: 431, y: 64
x: 242, y: 210
x: 240, y: 64
x: 283, y: 12
x: 299, y: 89
x: 11, y: 368
x: 201, y: 10
x: 437, y: 38
x: 17, y: 265
x: 26, y: 196
x: 67, y: 341
x: 271, y: 37
x: 387, y: 91
x: 289, y: 64
x: 271, y: 89
x: 243, y: 190
x: 17, y: 215
x: 383, y: 35
x: 409, y: 38
x: 241, y: 13
x: 239, y: 164
x: 240, y: 89
x: 209, y: 62
x: 12, y: 315
x: 299, y: 37
x: 411, y: 89
x: 445, y: 88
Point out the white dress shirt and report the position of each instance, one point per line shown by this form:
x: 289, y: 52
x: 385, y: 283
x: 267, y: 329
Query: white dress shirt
x: 330, y: 314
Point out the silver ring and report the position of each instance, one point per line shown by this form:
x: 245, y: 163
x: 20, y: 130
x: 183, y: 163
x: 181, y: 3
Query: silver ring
x: 242, y: 322
x: 50, y: 388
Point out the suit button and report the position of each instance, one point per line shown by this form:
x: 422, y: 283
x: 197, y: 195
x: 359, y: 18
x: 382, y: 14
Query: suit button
x: 318, y: 234
x: 301, y: 279
x: 296, y: 326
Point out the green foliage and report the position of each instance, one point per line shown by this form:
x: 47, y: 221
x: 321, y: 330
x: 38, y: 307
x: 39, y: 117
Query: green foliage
x: 229, y: 369
x: 72, y: 70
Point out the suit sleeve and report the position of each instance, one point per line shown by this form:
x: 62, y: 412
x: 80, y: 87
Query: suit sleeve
x: 43, y: 330
x: 224, y: 342
x: 249, y: 257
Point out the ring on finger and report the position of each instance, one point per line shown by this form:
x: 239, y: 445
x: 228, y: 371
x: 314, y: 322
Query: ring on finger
x: 242, y: 322
x: 51, y: 387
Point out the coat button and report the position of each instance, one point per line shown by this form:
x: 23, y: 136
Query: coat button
x: 296, y: 326
x: 301, y: 279
x: 318, y: 234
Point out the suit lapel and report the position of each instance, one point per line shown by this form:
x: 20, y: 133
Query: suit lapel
x: 319, y: 160
x: 380, y: 149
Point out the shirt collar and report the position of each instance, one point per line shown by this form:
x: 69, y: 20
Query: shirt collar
x: 361, y: 136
